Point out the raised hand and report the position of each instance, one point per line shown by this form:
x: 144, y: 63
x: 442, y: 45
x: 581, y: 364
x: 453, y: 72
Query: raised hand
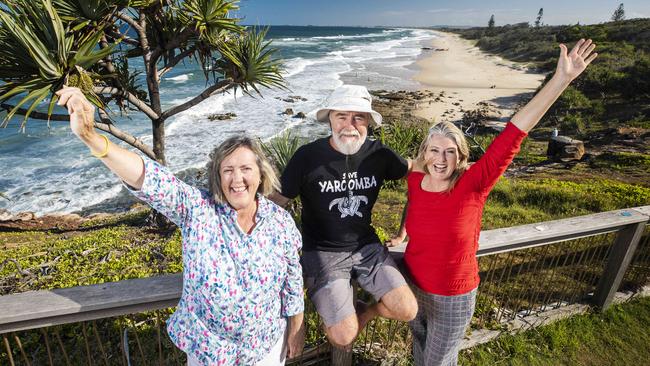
x: 124, y: 163
x: 82, y: 112
x: 571, y: 64
x: 394, y: 241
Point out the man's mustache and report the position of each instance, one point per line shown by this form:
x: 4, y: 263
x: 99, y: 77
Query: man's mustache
x: 349, y: 133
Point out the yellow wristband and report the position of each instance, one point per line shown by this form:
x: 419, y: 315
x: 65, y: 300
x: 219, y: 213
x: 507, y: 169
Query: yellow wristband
x: 103, y: 153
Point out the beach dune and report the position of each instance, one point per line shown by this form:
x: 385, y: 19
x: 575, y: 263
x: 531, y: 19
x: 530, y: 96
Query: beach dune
x: 467, y: 76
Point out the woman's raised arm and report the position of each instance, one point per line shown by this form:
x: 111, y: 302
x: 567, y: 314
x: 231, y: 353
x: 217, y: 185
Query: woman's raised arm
x: 125, y: 164
x: 569, y: 66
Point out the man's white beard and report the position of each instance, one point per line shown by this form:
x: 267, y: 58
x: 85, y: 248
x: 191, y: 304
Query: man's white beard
x: 347, y: 148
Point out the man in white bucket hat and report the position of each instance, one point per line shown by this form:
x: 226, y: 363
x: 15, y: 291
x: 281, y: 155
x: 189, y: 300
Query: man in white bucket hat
x: 338, y: 180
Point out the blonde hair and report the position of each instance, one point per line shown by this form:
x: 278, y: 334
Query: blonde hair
x: 269, y: 181
x: 450, y: 131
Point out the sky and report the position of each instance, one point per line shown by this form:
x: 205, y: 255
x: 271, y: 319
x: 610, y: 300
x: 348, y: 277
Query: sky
x: 422, y: 13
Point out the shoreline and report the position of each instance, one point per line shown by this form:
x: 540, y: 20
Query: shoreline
x: 465, y: 78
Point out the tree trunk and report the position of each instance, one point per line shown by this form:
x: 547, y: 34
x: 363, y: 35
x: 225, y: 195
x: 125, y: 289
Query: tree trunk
x: 158, y: 127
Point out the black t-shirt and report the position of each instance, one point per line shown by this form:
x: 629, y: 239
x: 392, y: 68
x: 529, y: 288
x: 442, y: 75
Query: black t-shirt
x: 338, y: 192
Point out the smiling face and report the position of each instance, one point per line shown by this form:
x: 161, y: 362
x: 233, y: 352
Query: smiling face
x: 441, y: 157
x: 349, y: 130
x: 240, y: 178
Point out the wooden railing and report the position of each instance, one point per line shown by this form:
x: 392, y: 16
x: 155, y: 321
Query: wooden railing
x: 619, y: 231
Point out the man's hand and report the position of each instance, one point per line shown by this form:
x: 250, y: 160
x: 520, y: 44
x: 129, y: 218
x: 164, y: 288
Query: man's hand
x: 296, y: 336
x: 278, y: 199
x: 395, y: 241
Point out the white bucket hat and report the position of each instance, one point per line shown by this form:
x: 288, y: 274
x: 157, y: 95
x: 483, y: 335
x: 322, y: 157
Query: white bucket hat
x: 354, y: 98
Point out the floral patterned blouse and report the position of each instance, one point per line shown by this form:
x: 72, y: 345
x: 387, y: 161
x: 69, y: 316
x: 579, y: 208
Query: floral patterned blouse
x: 238, y: 288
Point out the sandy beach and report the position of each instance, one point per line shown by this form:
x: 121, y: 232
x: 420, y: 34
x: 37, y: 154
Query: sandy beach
x: 466, y: 76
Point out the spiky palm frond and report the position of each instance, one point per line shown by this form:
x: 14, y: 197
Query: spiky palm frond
x: 85, y: 11
x: 164, y: 27
x: 281, y: 148
x: 247, y: 59
x: 210, y: 18
x: 38, y: 54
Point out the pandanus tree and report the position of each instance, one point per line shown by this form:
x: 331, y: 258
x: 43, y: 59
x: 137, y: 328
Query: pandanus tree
x: 45, y: 44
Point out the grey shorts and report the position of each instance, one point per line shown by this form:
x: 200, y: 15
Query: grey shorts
x: 328, y: 277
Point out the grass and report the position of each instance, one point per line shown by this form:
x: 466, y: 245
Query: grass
x: 619, y: 336
x: 517, y: 202
x: 623, y: 162
x: 46, y: 260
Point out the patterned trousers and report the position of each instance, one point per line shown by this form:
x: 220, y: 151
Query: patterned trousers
x: 440, y: 326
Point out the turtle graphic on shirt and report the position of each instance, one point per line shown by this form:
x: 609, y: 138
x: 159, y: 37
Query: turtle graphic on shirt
x: 349, y: 206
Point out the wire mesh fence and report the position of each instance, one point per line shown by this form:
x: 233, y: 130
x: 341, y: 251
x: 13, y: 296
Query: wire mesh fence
x: 522, y: 282
x: 135, y: 339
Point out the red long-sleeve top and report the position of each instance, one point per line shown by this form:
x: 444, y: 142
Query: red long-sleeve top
x: 444, y: 227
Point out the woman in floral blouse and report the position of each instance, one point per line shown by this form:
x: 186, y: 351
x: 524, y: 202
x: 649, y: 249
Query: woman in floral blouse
x: 242, y: 301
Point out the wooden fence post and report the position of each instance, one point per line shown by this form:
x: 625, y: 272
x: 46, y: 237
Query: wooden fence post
x: 619, y: 259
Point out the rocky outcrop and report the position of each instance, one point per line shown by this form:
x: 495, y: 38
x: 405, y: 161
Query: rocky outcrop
x: 221, y: 116
x: 29, y: 221
x: 292, y: 99
x: 565, y: 148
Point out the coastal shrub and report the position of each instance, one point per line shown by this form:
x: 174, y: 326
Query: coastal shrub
x: 281, y: 148
x: 572, y: 123
x: 572, y: 98
x: 402, y: 137
x: 636, y: 82
x: 570, y: 34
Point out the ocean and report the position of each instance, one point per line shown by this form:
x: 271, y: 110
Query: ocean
x: 48, y: 170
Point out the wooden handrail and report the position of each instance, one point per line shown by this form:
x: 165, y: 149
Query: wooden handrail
x: 36, y: 309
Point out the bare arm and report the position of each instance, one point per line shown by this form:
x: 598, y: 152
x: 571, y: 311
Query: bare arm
x: 570, y: 65
x: 295, y: 335
x: 401, y: 234
x: 125, y: 164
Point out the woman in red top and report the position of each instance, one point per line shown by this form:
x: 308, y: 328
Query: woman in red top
x: 443, y: 215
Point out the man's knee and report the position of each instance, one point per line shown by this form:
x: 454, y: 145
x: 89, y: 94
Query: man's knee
x: 343, y: 333
x: 401, y: 303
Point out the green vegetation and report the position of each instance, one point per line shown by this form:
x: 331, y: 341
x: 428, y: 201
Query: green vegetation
x: 281, y: 148
x: 43, y: 260
x: 620, y: 336
x: 516, y: 202
x: 623, y: 162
